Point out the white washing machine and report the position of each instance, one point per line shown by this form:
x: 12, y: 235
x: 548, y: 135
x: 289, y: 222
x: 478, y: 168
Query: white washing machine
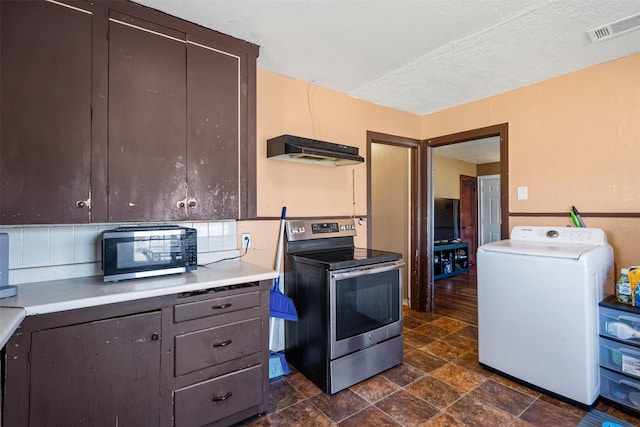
x: 538, y: 296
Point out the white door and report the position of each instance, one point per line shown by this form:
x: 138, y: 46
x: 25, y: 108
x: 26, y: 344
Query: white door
x: 489, y: 209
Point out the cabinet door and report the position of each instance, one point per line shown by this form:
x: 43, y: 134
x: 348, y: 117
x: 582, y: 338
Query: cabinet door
x: 147, y: 121
x: 213, y: 132
x: 97, y: 374
x: 45, y: 140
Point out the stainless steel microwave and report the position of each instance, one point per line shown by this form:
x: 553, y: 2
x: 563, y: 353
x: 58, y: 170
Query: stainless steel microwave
x: 147, y: 251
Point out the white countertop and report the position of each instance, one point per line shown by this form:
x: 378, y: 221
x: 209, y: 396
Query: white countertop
x: 68, y: 294
x: 10, y: 319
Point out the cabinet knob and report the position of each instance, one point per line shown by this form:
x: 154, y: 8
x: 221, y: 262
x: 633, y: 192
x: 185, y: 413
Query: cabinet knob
x: 83, y: 203
x: 155, y: 337
x: 222, y: 344
x: 181, y: 204
x: 192, y: 203
x: 222, y: 397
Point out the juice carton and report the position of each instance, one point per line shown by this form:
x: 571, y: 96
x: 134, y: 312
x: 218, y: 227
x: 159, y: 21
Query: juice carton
x: 634, y: 282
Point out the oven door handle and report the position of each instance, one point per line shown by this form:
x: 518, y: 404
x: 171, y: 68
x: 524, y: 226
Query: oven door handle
x: 366, y: 270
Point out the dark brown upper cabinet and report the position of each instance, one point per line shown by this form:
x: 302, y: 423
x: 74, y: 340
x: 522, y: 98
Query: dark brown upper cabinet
x: 138, y: 116
x: 147, y: 121
x: 45, y: 101
x: 214, y: 124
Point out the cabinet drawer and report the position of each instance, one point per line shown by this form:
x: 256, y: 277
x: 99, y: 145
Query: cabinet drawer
x: 215, y: 399
x: 621, y: 325
x: 208, y: 347
x: 620, y: 388
x: 213, y: 306
x: 620, y: 357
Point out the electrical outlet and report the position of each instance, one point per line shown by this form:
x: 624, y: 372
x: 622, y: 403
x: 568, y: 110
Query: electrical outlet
x: 246, y: 240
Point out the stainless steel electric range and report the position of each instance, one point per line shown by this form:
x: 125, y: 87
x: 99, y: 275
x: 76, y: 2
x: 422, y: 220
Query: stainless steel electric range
x: 348, y: 301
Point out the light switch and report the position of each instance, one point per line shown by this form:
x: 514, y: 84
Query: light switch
x: 523, y: 193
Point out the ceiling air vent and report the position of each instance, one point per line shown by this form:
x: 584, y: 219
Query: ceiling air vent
x: 614, y: 29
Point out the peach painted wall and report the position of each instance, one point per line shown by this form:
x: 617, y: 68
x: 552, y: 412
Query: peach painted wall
x: 573, y: 140
x: 390, y: 208
x: 488, y: 169
x: 291, y: 106
x: 446, y: 176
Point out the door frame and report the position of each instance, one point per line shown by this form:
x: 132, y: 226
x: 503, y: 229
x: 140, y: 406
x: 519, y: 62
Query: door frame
x: 500, y: 130
x: 473, y: 244
x: 418, y: 262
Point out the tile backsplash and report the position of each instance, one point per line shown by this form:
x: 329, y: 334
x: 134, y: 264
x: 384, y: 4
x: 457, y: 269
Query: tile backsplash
x: 52, y: 252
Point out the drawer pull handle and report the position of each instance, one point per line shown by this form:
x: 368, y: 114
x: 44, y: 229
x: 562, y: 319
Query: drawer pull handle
x: 628, y: 351
x: 630, y: 384
x: 627, y: 318
x: 223, y: 397
x: 221, y: 306
x: 223, y: 343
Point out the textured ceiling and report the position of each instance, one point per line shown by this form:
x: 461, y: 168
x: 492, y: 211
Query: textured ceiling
x: 479, y: 151
x: 418, y: 56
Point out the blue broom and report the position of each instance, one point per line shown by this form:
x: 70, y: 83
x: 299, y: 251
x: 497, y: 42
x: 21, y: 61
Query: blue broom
x: 280, y: 306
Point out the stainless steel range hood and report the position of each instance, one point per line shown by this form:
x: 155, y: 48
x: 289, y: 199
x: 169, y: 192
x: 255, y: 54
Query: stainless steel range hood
x: 298, y: 149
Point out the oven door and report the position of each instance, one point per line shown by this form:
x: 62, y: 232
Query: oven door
x: 366, y: 306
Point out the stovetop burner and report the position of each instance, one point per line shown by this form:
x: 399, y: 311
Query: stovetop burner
x: 346, y: 257
x: 329, y: 243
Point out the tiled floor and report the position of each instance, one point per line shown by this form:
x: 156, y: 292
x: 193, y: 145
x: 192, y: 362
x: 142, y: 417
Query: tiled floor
x: 440, y: 383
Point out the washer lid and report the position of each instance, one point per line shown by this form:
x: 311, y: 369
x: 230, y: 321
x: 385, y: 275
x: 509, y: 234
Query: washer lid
x: 540, y: 249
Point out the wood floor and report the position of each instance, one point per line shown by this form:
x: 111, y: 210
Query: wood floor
x: 457, y: 297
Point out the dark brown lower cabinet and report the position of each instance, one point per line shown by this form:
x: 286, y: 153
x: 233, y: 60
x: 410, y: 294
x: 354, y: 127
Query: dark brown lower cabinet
x: 218, y: 398
x: 192, y: 359
x: 112, y: 366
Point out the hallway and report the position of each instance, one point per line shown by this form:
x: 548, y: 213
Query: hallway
x: 457, y: 297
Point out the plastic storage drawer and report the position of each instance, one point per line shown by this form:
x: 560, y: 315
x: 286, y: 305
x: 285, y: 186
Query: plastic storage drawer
x: 620, y: 357
x: 619, y: 388
x: 620, y: 325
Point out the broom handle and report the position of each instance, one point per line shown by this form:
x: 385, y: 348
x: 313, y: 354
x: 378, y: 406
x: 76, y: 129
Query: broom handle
x: 280, y: 239
x: 272, y: 326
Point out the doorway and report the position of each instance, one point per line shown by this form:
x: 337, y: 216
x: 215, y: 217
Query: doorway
x: 499, y: 131
x: 393, y: 206
x: 419, y: 270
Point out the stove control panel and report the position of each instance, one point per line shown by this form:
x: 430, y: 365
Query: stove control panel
x: 319, y: 229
